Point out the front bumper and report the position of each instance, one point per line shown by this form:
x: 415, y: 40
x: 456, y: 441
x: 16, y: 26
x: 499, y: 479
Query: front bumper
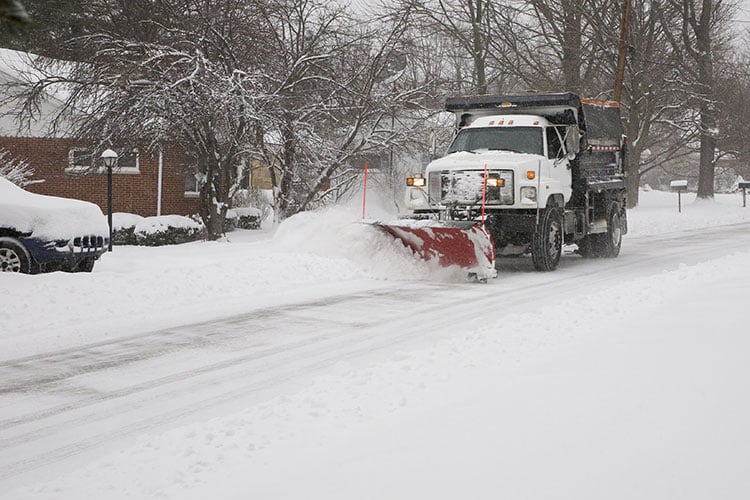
x: 65, y: 254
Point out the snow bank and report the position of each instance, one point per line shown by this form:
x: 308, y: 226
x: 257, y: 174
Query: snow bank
x: 658, y: 214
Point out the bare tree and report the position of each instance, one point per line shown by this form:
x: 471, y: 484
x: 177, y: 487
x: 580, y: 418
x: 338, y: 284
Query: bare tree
x: 556, y: 47
x: 734, y: 87
x: 698, y: 38
x: 469, y: 24
x: 651, y: 98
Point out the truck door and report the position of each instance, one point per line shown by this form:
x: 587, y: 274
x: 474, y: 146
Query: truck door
x: 559, y: 163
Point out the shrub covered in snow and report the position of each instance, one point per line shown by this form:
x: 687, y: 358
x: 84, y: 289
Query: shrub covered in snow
x: 243, y: 218
x: 260, y: 199
x: 131, y: 229
x: 168, y: 230
x: 123, y: 228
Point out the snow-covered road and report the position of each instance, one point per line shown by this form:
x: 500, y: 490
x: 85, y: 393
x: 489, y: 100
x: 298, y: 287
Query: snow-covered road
x: 62, y: 408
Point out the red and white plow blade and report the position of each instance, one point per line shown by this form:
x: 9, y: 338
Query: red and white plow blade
x: 464, y: 244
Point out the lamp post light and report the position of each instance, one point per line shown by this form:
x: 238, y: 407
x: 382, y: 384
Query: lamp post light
x: 109, y: 158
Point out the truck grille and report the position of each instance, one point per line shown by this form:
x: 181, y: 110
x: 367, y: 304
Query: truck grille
x: 465, y: 187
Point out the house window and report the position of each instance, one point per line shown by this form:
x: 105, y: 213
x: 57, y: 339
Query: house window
x: 128, y: 161
x: 193, y: 183
x: 245, y: 178
x: 84, y: 160
x: 80, y: 160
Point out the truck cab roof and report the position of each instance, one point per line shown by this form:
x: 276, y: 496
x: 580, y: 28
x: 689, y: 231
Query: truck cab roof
x: 508, y: 120
x: 599, y: 121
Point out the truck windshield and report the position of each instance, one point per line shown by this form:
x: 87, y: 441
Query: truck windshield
x: 516, y: 139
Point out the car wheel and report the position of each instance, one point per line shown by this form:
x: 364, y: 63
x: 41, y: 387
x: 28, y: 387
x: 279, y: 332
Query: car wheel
x: 13, y: 257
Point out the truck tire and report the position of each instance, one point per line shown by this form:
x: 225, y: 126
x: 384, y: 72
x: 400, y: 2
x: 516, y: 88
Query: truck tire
x: 546, y: 243
x: 13, y: 257
x: 606, y: 245
x: 611, y: 241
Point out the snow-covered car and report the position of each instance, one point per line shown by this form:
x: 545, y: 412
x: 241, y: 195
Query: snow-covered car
x: 44, y: 233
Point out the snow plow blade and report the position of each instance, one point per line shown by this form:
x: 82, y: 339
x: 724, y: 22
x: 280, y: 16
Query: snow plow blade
x: 465, y: 244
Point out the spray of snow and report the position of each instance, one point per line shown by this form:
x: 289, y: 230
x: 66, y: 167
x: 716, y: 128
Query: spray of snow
x: 337, y: 232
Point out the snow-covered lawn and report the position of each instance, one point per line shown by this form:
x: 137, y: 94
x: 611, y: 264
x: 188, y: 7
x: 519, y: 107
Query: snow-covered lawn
x: 642, y: 396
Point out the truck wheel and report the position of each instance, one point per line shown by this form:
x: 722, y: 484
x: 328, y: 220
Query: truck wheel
x: 607, y: 244
x: 546, y: 244
x: 13, y: 257
x: 611, y: 241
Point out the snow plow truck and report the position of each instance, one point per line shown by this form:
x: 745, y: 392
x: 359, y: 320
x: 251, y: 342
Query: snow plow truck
x: 524, y: 175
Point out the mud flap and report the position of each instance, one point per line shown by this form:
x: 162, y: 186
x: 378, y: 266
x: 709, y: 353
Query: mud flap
x: 465, y: 244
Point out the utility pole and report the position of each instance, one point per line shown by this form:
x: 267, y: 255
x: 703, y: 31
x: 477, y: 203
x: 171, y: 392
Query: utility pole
x: 622, y: 51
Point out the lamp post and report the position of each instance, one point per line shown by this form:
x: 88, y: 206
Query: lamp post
x: 109, y: 158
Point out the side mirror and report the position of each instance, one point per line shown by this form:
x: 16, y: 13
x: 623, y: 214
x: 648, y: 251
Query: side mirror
x: 572, y: 139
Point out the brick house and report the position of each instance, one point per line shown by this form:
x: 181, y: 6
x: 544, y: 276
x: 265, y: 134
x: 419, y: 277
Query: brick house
x: 144, y: 182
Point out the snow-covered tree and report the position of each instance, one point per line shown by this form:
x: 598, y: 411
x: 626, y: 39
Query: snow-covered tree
x: 335, y: 94
x: 193, y: 82
x: 297, y: 84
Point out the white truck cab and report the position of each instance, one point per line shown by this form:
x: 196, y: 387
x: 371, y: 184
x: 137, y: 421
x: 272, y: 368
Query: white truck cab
x: 527, y: 160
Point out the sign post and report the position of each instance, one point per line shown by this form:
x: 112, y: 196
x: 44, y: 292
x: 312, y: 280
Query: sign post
x: 681, y: 187
x: 744, y: 186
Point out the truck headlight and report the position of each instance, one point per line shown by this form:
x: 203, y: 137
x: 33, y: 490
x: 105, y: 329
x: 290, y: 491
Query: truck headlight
x: 416, y: 181
x: 528, y: 193
x: 495, y: 182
